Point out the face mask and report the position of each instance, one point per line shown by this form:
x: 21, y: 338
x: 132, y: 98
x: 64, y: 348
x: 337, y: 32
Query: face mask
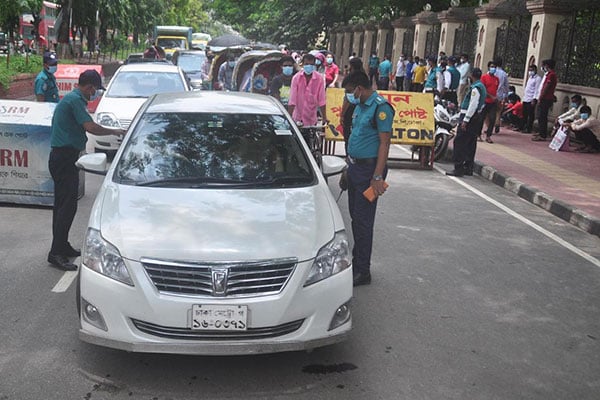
x: 462, y: 61
x: 52, y: 69
x: 231, y: 64
x: 96, y: 94
x: 585, y: 115
x: 317, y: 62
x: 309, y: 69
x: 401, y: 58
x: 329, y: 60
x: 573, y: 105
x: 287, y: 70
x: 351, y: 99
x: 531, y: 73
x: 492, y: 70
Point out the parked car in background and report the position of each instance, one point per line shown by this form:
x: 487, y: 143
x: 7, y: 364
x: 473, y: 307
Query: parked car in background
x: 200, y: 40
x: 190, y: 61
x: 214, y: 232
x: 128, y: 89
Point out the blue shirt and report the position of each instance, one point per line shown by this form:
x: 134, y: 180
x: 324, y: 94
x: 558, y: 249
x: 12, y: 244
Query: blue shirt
x: 68, y: 119
x: 385, y: 68
x: 369, y: 119
x: 45, y: 84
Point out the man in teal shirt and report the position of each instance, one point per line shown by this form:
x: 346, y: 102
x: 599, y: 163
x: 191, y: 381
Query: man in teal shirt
x: 368, y: 149
x: 69, y: 125
x: 385, y: 71
x: 45, y: 88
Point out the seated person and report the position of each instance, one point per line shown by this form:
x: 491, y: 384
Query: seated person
x: 513, y: 112
x: 587, y: 130
x: 570, y: 115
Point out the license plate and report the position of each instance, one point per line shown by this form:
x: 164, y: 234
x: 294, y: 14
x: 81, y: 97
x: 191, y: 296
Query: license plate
x: 219, y: 318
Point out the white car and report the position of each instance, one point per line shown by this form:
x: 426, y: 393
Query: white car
x: 214, y: 232
x: 128, y: 89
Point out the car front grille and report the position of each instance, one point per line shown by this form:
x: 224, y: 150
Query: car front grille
x: 220, y: 279
x: 190, y: 334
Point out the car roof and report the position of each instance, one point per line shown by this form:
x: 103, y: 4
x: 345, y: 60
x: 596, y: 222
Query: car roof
x: 214, y: 101
x: 149, y: 67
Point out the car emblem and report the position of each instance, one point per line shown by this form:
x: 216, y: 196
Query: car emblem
x: 219, y: 281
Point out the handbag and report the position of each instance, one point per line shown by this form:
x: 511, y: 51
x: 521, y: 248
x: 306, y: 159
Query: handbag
x: 560, y: 139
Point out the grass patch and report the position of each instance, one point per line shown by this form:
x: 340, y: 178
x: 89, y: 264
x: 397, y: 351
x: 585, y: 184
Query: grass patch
x: 18, y: 64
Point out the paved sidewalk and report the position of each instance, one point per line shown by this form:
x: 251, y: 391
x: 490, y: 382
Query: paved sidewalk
x: 565, y: 183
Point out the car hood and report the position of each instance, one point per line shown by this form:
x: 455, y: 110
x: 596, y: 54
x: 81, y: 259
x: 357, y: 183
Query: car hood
x: 217, y: 225
x: 121, y: 107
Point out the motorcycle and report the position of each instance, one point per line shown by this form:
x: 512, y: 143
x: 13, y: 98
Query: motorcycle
x: 446, y: 115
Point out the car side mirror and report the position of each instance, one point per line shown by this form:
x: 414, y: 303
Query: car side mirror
x: 332, y: 165
x: 94, y: 163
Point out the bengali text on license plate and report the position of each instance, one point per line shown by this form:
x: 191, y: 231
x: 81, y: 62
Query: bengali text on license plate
x: 220, y: 318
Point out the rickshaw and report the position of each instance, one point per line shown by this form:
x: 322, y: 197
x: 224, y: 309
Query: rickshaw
x: 212, y: 83
x: 255, y: 69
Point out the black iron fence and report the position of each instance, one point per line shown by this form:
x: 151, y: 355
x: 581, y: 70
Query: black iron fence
x: 511, y: 45
x: 408, y: 41
x: 465, y: 39
x: 432, y: 41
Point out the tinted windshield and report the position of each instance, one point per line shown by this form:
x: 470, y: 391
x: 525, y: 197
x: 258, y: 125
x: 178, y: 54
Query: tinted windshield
x: 205, y: 150
x: 190, y: 62
x: 171, y: 43
x: 144, y: 84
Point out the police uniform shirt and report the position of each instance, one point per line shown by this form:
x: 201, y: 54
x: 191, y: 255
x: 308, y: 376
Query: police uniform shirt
x: 45, y: 84
x: 67, y: 122
x: 369, y: 119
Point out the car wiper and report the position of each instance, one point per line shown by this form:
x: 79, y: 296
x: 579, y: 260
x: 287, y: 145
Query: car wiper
x: 196, y: 181
x: 286, y: 180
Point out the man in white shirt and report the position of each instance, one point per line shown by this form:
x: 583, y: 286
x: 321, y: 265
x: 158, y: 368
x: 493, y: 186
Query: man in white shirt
x: 570, y: 115
x: 464, y: 68
x: 587, y: 130
x: 531, y: 88
x: 401, y: 72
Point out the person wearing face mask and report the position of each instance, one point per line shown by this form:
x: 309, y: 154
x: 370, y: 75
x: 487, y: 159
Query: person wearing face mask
x: 419, y: 75
x: 320, y: 62
x: 464, y: 68
x: 281, y: 84
x: 545, y: 98
x: 368, y: 150
x: 307, y: 94
x: 225, y: 75
x: 205, y: 67
x: 373, y: 68
x: 332, y: 71
x: 45, y: 86
x: 347, y: 108
x: 400, y: 72
x: 531, y: 88
x: 570, y: 115
x: 491, y: 82
x: 68, y: 137
x: 586, y: 130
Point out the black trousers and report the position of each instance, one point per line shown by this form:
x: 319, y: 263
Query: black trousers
x: 544, y: 108
x: 399, y: 83
x: 383, y: 83
x: 588, y: 138
x: 362, y: 214
x: 528, y: 115
x: 66, y: 183
x: 489, y: 116
x: 465, y: 143
x: 373, y: 75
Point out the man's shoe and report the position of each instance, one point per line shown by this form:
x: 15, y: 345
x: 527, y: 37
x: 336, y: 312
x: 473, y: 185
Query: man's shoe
x: 71, y: 252
x: 497, y: 129
x: 456, y: 172
x: 62, y: 262
x: 361, y: 278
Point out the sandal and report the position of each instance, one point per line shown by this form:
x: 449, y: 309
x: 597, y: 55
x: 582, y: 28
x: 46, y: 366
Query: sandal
x: 489, y: 140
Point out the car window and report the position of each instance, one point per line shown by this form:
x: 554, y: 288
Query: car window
x: 144, y: 84
x: 171, y: 43
x: 190, y: 62
x: 204, y: 150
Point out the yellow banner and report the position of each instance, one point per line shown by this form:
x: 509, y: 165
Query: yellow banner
x: 413, y: 119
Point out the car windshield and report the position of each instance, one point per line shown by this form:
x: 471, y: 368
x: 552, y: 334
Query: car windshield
x: 190, y: 62
x: 171, y: 43
x: 144, y: 84
x: 214, y: 150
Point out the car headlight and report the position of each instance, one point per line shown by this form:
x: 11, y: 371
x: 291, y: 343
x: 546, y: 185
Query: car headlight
x: 107, y: 119
x: 104, y: 258
x: 332, y: 258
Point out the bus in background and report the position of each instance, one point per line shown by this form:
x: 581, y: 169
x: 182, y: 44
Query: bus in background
x: 200, y: 40
x: 47, y: 30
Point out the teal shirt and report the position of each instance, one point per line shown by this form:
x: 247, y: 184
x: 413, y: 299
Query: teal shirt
x: 385, y: 68
x: 369, y: 119
x: 45, y: 84
x: 68, y: 119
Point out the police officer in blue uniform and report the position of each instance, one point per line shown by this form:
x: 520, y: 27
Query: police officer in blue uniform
x: 368, y: 150
x: 70, y: 122
x: 45, y: 83
x: 469, y: 128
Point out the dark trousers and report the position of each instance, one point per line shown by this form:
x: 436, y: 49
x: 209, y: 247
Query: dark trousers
x: 588, y: 138
x: 489, y: 116
x: 373, y: 75
x: 66, y: 183
x: 362, y: 214
x: 417, y: 87
x: 528, y: 116
x: 465, y: 143
x: 516, y: 120
x: 544, y: 108
x: 383, y: 83
x: 400, y: 83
